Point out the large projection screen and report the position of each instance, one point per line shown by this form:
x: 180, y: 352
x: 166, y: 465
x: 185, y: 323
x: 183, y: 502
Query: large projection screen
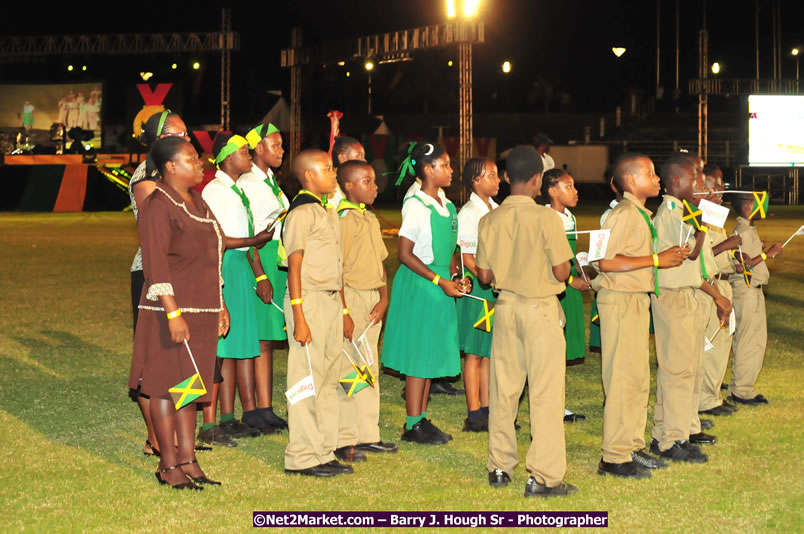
x: 33, y: 109
x: 775, y: 131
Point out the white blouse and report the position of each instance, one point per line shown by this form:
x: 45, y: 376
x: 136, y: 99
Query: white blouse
x: 227, y: 206
x: 468, y: 221
x: 264, y: 204
x: 416, y: 223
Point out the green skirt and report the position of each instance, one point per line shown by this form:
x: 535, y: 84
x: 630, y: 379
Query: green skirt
x: 473, y: 340
x: 241, y: 342
x: 575, y: 329
x: 421, y: 333
x: 270, y: 320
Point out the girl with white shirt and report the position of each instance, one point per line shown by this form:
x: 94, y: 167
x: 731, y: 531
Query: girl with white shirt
x: 421, y: 339
x: 559, y: 188
x: 479, y: 176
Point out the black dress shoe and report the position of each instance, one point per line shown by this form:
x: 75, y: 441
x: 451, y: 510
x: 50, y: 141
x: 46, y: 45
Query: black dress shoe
x: 476, y: 425
x: 216, y: 436
x: 202, y: 479
x: 377, y: 446
x: 729, y: 406
x: 756, y: 401
x: 269, y: 416
x: 706, y: 424
x: 422, y: 435
x: 350, y: 454
x: 654, y: 446
x: 684, y: 451
x: 202, y: 448
x: 624, y: 470
x: 183, y: 486
x: 702, y: 439
x: 154, y: 450
x: 254, y: 420
x: 499, y: 478
x: 717, y: 410
x: 572, y: 417
x: 430, y: 427
x: 235, y: 429
x: 315, y: 471
x: 444, y: 388
x: 534, y: 489
x: 647, y: 461
x: 338, y: 468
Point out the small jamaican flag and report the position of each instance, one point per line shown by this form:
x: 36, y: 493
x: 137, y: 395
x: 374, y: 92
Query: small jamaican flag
x: 353, y: 383
x: 186, y: 391
x: 760, y: 205
x: 486, y: 321
x: 692, y: 215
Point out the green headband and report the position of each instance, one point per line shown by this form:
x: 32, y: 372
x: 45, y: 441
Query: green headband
x: 235, y: 143
x: 407, y: 165
x: 162, y: 120
x: 258, y: 133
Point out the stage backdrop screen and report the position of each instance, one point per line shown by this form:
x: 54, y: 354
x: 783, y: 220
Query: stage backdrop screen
x: 35, y: 108
x: 775, y: 132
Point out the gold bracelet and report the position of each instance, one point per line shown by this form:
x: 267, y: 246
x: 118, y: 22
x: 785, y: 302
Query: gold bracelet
x: 570, y: 280
x: 261, y: 277
x: 294, y: 302
x: 436, y: 279
x: 655, y: 260
x: 763, y: 256
x: 174, y: 314
x: 346, y: 311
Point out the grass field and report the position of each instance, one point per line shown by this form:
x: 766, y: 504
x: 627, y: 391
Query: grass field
x: 71, y: 448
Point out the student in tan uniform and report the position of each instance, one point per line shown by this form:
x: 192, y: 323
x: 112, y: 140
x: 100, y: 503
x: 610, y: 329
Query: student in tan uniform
x: 628, y: 274
x: 365, y: 298
x: 679, y: 329
x: 751, y: 336
x: 717, y: 358
x: 522, y: 248
x: 313, y: 314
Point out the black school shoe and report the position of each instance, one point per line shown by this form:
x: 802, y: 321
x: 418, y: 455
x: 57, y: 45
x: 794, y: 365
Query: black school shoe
x: 316, y: 471
x: 684, y: 451
x: 254, y: 420
x: 717, y: 411
x: 647, y: 461
x: 435, y: 430
x: 216, y: 436
x: 269, y: 416
x: 350, y: 454
x: 706, y: 424
x: 377, y: 447
x: 338, y: 468
x: 534, y: 489
x: 756, y: 401
x: 421, y: 434
x: 702, y: 439
x: 499, y: 478
x: 624, y: 470
x: 476, y: 425
x: 235, y: 429
x: 445, y: 388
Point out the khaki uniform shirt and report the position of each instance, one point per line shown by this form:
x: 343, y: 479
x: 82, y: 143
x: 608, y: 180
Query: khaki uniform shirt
x: 708, y: 256
x: 317, y: 232
x: 363, y: 250
x: 630, y: 236
x: 752, y: 246
x: 521, y: 242
x: 723, y: 260
x: 669, y: 226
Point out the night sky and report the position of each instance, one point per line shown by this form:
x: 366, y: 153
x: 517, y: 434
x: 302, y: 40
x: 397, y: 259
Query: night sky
x: 560, y: 51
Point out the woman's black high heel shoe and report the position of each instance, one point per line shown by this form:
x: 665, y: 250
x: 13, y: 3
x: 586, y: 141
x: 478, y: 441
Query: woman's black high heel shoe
x: 202, y: 479
x: 154, y: 450
x: 183, y: 486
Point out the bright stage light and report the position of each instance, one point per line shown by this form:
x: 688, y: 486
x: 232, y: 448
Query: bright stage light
x: 84, y: 67
x: 715, y: 68
x: 174, y: 66
x: 618, y: 50
x: 506, y: 67
x: 70, y: 68
x: 196, y: 65
x: 369, y: 65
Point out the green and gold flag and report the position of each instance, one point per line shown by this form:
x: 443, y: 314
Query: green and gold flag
x: 486, y: 321
x: 187, y: 391
x: 353, y: 383
x: 760, y: 204
x: 692, y: 215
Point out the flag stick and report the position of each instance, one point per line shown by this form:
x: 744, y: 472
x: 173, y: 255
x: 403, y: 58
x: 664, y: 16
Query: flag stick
x: 681, y: 234
x: 463, y: 271
x: 583, y: 274
x: 792, y: 236
x: 688, y: 234
x: 720, y: 192
x: 367, y: 329
x: 192, y: 359
x: 365, y: 362
x: 275, y: 305
x: 471, y: 296
x: 581, y: 231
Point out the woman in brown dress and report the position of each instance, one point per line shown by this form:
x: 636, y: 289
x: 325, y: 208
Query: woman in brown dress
x: 182, y: 247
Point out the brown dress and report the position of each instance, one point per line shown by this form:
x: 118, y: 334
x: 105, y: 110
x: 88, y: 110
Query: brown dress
x: 181, y: 253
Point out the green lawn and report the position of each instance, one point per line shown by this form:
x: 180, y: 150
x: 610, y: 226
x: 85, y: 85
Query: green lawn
x: 71, y: 451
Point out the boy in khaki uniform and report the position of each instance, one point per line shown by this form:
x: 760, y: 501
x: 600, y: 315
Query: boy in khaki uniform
x: 365, y: 300
x: 313, y: 312
x: 717, y: 358
x: 751, y: 336
x: 678, y: 324
x: 627, y: 276
x: 522, y: 248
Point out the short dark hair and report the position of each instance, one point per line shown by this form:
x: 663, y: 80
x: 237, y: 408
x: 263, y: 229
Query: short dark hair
x: 623, y: 166
x: 162, y: 151
x: 340, y: 146
x: 710, y: 169
x: 740, y: 199
x: 425, y: 153
x: 549, y: 179
x: 150, y: 127
x: 523, y: 163
x: 674, y: 165
x: 346, y: 170
x: 474, y: 168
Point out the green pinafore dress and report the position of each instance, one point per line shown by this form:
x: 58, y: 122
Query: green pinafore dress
x: 474, y: 340
x: 572, y: 304
x: 421, y: 336
x: 270, y: 319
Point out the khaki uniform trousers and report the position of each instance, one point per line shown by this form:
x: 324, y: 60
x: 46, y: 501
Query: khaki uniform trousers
x: 360, y: 413
x: 625, y: 362
x: 679, y: 341
x: 313, y: 421
x: 528, y: 344
x: 717, y: 359
x: 706, y: 309
x: 750, y: 339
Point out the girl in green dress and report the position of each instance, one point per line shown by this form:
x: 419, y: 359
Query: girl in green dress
x: 480, y: 177
x: 421, y: 339
x: 559, y: 187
